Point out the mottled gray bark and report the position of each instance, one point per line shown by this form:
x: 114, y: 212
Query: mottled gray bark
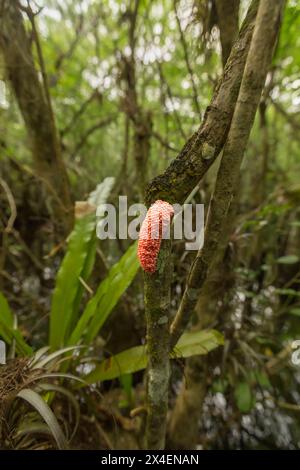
x: 157, y: 306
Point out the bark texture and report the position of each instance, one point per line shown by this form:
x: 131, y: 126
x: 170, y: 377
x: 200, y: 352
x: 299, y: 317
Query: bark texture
x: 157, y: 303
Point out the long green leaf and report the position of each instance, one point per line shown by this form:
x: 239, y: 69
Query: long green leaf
x: 48, y: 387
x: 108, y: 293
x: 45, y: 360
x: 135, y: 359
x: 77, y: 264
x: 35, y: 400
x: 68, y: 279
x: 8, y: 330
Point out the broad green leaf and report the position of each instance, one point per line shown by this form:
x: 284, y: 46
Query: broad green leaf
x: 127, y: 386
x: 198, y: 342
x: 289, y: 259
x: 85, y: 274
x: 68, y: 280
x: 243, y: 396
x: 35, y: 400
x: 135, y: 359
x: 76, y: 265
x: 8, y: 331
x: 108, y: 293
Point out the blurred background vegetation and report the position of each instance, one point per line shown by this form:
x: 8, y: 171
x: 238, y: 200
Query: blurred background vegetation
x: 111, y: 91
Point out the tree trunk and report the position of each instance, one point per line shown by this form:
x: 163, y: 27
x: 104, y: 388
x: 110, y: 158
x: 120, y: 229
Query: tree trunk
x: 36, y: 110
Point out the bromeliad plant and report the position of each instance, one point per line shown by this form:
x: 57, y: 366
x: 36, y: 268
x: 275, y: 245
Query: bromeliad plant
x: 30, y: 380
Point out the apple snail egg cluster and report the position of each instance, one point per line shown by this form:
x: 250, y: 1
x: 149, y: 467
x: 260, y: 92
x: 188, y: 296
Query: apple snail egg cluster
x: 153, y: 227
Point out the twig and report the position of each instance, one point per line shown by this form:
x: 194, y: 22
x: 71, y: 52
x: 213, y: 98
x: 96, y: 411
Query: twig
x: 163, y: 142
x: 12, y: 205
x: 187, y: 60
x: 42, y: 179
x: 291, y: 119
x: 27, y: 250
x: 90, y: 131
x: 170, y: 96
x: 79, y: 112
x: 68, y: 53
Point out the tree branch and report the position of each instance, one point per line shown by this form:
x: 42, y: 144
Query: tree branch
x: 163, y: 142
x: 90, y: 131
x: 204, y: 146
x: 256, y: 68
x: 94, y: 94
x: 69, y: 52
